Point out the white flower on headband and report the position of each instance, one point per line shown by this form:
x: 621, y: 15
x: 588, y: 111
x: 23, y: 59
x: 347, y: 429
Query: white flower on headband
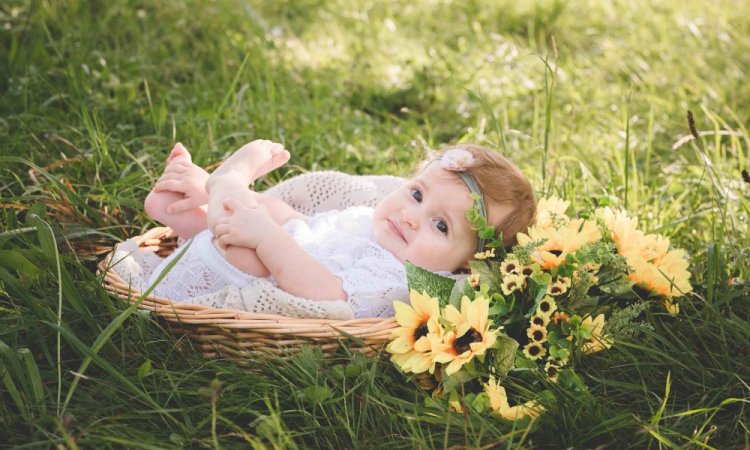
x: 457, y: 160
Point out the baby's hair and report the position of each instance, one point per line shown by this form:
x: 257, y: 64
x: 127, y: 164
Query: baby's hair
x: 502, y: 184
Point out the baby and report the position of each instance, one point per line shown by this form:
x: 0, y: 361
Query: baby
x: 356, y: 255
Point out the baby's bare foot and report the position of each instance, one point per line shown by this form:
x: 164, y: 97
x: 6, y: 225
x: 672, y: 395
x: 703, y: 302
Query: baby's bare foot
x: 265, y: 156
x: 255, y: 159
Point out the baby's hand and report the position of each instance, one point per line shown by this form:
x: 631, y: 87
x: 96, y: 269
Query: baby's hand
x: 184, y: 177
x: 244, y: 226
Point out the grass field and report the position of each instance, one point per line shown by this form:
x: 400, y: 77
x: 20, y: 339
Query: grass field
x: 590, y: 98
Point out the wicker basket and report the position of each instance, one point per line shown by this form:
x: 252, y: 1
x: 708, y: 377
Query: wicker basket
x: 227, y: 333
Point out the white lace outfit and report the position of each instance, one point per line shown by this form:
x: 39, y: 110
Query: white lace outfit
x: 340, y: 240
x: 372, y: 277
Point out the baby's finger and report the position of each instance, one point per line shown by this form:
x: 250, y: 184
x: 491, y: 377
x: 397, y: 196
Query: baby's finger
x: 168, y: 185
x: 183, y: 205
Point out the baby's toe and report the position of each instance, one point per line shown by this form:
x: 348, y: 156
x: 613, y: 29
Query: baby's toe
x: 179, y: 152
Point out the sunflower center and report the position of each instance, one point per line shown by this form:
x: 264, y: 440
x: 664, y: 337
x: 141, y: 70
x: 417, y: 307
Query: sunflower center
x: 462, y: 344
x: 556, y: 252
x: 534, y: 350
x: 538, y: 335
x: 641, y: 292
x: 420, y: 331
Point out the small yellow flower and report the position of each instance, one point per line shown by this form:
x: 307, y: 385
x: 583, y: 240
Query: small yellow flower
x: 473, y: 280
x: 547, y: 306
x: 557, y: 288
x: 552, y: 371
x: 534, y: 351
x: 526, y: 271
x: 673, y: 308
x: 512, y: 283
x: 537, y: 334
x: 501, y: 407
x: 560, y: 316
x: 486, y: 254
x: 540, y: 320
x: 510, y: 266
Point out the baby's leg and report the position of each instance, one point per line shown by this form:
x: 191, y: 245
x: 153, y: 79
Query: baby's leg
x: 188, y: 186
x: 244, y: 259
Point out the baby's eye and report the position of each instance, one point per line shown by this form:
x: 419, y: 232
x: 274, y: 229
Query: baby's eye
x: 417, y: 195
x: 441, y: 226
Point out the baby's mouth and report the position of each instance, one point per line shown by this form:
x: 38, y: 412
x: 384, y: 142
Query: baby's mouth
x: 396, y: 229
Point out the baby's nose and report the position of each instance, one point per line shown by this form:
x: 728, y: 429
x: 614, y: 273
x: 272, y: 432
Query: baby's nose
x: 409, y: 218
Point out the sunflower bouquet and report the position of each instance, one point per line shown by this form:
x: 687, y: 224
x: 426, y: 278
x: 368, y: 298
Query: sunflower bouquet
x: 570, y: 287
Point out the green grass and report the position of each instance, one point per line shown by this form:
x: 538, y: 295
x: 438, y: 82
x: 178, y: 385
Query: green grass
x: 589, y: 98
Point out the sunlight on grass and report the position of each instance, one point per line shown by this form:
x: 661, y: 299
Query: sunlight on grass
x: 590, y: 98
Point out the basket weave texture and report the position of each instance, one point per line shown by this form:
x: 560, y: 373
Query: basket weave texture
x: 238, y: 335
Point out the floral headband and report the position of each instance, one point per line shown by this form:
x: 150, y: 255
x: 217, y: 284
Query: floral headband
x: 459, y: 160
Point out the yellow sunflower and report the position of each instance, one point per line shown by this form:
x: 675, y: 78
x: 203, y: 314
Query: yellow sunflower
x: 471, y: 335
x: 473, y: 280
x: 551, y: 212
x: 501, y: 407
x: 413, y: 340
x: 558, y: 242
x: 655, y: 267
x: 668, y: 276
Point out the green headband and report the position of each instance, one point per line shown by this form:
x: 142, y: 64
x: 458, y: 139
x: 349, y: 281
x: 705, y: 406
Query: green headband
x: 459, y: 161
x: 478, y: 200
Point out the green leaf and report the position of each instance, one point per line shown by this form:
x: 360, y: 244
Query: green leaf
x: 451, y: 382
x: 503, y: 355
x: 487, y: 275
x: 458, y: 292
x: 316, y: 394
x: 434, y: 285
x: 14, y: 260
x: 144, y: 370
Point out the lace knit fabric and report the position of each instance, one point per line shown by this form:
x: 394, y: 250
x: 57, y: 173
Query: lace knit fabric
x: 340, y: 240
x: 359, y: 266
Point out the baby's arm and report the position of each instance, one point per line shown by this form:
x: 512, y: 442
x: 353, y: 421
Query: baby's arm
x: 295, y: 270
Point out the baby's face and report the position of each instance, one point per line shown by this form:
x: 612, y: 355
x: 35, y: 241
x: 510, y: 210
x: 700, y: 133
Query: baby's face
x: 424, y: 221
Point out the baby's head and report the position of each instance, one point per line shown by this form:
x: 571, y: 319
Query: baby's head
x: 424, y: 221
